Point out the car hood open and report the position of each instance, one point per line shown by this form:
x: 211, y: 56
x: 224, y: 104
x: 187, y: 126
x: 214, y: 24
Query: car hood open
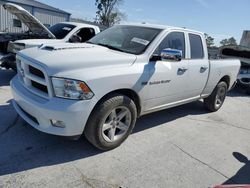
x: 241, y: 52
x: 28, y: 19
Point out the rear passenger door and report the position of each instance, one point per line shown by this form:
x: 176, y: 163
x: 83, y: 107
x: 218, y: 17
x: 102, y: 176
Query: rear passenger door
x: 198, y: 65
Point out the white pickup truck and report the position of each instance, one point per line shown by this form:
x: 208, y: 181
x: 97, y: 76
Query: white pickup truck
x: 38, y: 34
x: 100, y: 88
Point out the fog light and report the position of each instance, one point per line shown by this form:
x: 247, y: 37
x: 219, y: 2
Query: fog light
x: 57, y: 123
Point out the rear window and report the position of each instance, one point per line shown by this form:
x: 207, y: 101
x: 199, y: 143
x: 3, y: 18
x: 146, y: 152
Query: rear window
x: 197, y: 51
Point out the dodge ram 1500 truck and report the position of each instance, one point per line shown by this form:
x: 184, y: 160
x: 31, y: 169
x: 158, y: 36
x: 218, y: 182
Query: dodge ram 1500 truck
x: 101, y: 87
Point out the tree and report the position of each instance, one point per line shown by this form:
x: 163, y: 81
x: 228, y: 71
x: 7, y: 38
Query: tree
x: 209, y: 40
x: 107, y: 12
x: 224, y: 42
x: 230, y: 41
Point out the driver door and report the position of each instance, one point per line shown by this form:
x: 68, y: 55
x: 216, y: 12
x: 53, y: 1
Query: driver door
x: 168, y: 80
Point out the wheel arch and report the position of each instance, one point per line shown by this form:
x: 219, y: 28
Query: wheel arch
x: 226, y: 79
x: 127, y: 92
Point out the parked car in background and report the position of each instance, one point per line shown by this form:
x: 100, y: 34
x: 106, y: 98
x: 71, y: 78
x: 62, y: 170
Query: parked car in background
x: 38, y: 34
x: 241, y: 52
x: 101, y: 87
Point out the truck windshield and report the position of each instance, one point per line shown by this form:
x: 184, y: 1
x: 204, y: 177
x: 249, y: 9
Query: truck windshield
x: 61, y: 30
x: 129, y: 39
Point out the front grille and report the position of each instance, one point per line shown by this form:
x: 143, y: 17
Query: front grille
x: 33, y: 77
x: 41, y: 87
x: 36, y: 72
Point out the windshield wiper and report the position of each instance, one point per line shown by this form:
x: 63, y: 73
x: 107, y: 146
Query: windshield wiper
x: 111, y: 47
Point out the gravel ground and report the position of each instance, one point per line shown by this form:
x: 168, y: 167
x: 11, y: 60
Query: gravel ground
x: 179, y: 147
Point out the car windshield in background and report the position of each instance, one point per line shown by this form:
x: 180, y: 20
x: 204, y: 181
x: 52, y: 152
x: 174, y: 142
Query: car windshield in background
x: 129, y: 39
x: 61, y: 30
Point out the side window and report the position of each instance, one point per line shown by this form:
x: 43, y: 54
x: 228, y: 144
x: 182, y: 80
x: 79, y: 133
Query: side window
x: 17, y: 23
x: 174, y: 40
x: 86, y: 34
x: 197, y: 51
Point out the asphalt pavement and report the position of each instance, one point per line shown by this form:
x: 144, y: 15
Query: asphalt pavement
x: 180, y: 147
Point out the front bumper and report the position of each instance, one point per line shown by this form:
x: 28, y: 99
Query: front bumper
x: 39, y: 112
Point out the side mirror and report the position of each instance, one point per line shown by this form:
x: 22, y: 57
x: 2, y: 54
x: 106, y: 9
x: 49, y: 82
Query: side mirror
x: 169, y: 54
x: 75, y: 39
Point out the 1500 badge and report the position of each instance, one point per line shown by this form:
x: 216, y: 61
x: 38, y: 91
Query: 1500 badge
x: 156, y: 82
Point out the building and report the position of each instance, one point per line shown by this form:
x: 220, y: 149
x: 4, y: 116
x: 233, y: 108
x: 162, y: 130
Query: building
x: 48, y: 15
x: 245, y: 40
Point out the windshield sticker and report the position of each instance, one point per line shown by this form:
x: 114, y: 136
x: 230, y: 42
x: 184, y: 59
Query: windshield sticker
x: 140, y: 41
x: 67, y: 28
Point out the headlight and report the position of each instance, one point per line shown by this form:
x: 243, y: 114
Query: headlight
x: 71, y: 89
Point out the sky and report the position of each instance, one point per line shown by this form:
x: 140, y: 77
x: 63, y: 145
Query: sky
x: 219, y: 18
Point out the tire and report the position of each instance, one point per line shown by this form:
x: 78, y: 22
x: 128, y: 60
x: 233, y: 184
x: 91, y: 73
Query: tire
x: 111, y: 122
x: 216, y: 99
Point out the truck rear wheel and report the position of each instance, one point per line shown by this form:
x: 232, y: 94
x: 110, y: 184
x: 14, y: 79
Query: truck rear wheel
x: 111, y: 122
x: 216, y: 99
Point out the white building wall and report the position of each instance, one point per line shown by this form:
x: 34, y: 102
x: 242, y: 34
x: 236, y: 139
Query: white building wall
x: 49, y: 17
x: 6, y: 21
x: 45, y: 16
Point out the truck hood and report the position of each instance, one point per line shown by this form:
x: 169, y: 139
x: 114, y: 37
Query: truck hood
x: 28, y: 19
x: 61, y: 59
x: 241, y: 52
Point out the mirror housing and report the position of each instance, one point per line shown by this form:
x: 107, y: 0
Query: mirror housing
x: 75, y: 39
x: 169, y: 54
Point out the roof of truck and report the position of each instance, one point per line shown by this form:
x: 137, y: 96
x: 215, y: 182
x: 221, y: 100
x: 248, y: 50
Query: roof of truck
x: 80, y: 24
x: 158, y: 26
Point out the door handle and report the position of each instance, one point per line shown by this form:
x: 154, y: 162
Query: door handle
x: 203, y: 69
x: 181, y: 70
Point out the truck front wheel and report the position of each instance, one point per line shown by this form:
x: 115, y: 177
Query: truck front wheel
x: 111, y: 122
x: 216, y: 99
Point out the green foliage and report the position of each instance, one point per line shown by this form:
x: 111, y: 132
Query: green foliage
x: 107, y: 12
x: 209, y: 40
x: 230, y: 41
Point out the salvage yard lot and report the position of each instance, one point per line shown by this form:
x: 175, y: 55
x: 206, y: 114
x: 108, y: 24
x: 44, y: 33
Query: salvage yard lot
x: 179, y: 147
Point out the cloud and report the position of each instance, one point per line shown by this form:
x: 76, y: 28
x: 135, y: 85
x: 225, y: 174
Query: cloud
x: 203, y: 3
x: 138, y: 10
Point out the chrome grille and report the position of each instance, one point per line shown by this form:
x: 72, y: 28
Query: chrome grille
x: 33, y: 77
